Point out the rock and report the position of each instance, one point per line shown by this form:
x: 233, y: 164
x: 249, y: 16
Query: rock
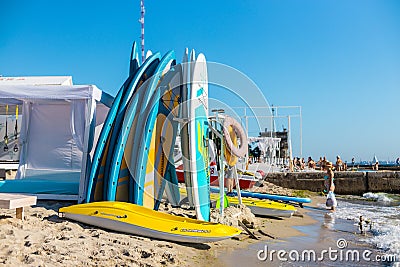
x: 233, y: 214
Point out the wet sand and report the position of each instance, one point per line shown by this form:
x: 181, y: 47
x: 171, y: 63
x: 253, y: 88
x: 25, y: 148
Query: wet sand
x: 326, y: 233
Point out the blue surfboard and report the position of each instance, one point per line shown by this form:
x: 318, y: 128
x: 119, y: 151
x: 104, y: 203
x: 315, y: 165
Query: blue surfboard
x: 96, y: 173
x: 142, y: 154
x: 164, y: 174
x: 268, y: 196
x: 134, y: 63
x: 118, y: 140
x: 198, y: 137
x: 145, y: 72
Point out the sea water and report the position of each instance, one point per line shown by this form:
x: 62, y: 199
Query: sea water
x: 381, y: 215
x: 337, y: 231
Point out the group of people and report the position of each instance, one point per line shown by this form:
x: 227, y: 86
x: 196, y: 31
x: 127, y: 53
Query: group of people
x: 300, y: 164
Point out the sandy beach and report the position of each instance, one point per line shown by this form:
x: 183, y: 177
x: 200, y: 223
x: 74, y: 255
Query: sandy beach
x: 45, y: 239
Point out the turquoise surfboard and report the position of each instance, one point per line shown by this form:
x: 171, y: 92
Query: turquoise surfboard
x: 198, y: 137
x: 166, y: 133
x: 145, y: 72
x: 95, y: 173
x: 142, y: 154
x: 134, y: 63
x: 118, y: 139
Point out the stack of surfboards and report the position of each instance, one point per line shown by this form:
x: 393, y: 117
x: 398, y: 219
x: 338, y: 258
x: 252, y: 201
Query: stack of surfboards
x: 133, y: 160
x: 133, y: 166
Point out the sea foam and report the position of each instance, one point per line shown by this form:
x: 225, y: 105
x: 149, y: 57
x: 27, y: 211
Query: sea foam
x: 384, y: 222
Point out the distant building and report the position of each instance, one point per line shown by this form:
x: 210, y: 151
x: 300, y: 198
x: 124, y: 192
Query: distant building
x: 284, y: 145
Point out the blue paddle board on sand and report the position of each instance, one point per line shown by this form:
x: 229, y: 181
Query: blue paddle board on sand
x: 268, y: 196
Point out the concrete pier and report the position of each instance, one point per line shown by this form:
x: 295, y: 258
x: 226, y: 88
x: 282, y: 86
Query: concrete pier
x: 347, y: 183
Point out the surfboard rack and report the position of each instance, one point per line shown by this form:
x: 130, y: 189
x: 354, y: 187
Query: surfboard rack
x: 213, y: 127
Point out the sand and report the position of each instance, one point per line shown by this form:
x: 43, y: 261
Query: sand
x: 45, y: 239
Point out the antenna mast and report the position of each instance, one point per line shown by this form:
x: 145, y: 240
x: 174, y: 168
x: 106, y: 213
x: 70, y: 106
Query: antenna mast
x: 142, y: 11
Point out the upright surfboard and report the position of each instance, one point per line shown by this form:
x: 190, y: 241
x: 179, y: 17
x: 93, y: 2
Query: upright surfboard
x: 198, y: 138
x: 96, y: 172
x: 134, y: 63
x: 164, y: 174
x: 142, y: 154
x: 184, y: 131
x: 98, y: 178
x: 145, y: 72
x: 117, y: 171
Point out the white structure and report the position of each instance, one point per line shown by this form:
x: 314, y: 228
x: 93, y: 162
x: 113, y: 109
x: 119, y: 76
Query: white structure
x: 59, y: 124
x: 269, y: 147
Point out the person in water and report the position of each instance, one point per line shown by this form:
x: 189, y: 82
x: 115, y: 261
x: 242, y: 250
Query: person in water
x: 330, y: 186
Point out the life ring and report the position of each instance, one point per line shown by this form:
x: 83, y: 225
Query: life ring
x: 230, y: 159
x: 238, y: 151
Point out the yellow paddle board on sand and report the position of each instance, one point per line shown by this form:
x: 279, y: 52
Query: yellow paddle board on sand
x: 258, y: 207
x: 133, y: 219
x: 262, y: 207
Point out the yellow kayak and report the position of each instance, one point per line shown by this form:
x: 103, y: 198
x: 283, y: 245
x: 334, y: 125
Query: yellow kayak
x: 262, y: 207
x: 133, y: 219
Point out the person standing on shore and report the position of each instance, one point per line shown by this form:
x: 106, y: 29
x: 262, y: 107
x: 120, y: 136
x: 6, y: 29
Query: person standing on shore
x: 229, y: 181
x: 330, y: 186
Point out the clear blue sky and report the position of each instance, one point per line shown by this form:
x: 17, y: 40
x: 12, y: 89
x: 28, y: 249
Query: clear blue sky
x: 339, y: 60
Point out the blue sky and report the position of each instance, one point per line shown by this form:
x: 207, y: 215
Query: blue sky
x: 339, y: 60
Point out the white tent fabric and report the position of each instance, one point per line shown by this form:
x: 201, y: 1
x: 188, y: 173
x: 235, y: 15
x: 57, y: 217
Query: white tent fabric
x: 57, y: 128
x: 37, y: 80
x: 49, y: 92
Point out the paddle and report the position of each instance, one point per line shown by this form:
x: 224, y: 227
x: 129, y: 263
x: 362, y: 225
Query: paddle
x: 247, y: 230
x: 6, y: 136
x: 16, y: 129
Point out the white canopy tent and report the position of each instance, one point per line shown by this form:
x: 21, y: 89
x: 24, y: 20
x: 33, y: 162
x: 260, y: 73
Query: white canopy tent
x: 59, y: 124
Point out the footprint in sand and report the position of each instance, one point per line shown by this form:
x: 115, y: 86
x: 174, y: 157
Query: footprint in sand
x: 10, y: 232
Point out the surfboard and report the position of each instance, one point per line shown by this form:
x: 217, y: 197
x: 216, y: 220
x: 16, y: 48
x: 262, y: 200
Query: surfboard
x: 96, y: 174
x: 184, y: 131
x: 117, y: 171
x: 198, y: 137
x: 145, y: 72
x: 258, y: 207
x: 134, y: 63
x: 142, y: 155
x: 133, y: 219
x: 166, y: 133
x: 268, y: 196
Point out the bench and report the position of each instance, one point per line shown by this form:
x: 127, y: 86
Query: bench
x: 16, y: 201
